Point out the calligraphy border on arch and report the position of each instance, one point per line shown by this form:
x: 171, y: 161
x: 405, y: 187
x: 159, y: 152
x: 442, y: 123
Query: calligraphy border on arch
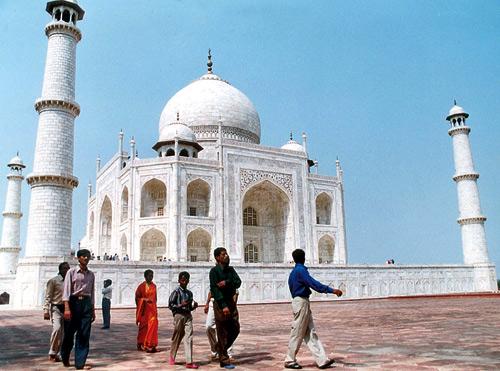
x: 250, y: 177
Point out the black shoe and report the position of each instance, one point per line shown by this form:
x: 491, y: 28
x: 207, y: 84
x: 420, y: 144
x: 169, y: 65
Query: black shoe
x: 330, y: 362
x: 293, y: 365
x: 65, y: 363
x: 105, y: 328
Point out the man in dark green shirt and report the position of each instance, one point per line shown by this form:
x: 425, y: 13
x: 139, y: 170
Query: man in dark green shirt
x: 224, y: 281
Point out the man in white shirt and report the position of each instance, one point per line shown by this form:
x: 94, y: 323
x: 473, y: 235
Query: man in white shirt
x: 106, y: 304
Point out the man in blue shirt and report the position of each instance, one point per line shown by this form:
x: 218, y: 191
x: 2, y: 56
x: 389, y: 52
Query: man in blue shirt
x: 300, y: 284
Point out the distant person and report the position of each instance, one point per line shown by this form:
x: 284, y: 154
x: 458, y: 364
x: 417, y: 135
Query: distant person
x: 211, y: 329
x: 53, y: 309
x: 181, y: 304
x: 79, y: 310
x: 147, y: 314
x: 107, y: 292
x: 224, y: 281
x: 300, y: 284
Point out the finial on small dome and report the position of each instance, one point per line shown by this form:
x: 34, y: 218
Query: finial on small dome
x: 454, y: 102
x: 17, y: 154
x: 209, y: 63
x: 291, y: 135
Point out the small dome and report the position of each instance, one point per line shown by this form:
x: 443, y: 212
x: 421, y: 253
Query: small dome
x: 16, y: 162
x: 456, y: 110
x: 179, y: 130
x: 293, y: 146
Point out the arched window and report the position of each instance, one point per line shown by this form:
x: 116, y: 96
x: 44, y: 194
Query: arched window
x: 249, y: 216
x: 91, y: 226
x: 323, y: 209
x: 124, y: 213
x: 198, y: 198
x: 184, y: 153
x: 106, y: 226
x: 153, y: 198
x: 326, y: 246
x: 66, y: 16
x: 73, y: 18
x: 153, y: 245
x: 170, y: 152
x: 123, y: 245
x: 251, y: 253
x: 198, y: 246
x: 58, y: 15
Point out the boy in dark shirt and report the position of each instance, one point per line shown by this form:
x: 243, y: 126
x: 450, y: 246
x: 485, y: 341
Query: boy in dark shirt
x: 181, y: 304
x: 224, y: 281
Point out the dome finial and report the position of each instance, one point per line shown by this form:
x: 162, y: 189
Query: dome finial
x: 291, y: 135
x: 454, y: 102
x: 209, y: 63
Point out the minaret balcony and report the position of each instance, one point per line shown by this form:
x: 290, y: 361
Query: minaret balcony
x: 63, y: 27
x: 42, y: 104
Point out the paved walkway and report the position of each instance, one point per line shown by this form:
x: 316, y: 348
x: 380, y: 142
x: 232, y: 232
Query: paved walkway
x: 428, y: 333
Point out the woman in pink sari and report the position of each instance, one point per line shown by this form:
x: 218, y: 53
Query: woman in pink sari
x: 147, y: 314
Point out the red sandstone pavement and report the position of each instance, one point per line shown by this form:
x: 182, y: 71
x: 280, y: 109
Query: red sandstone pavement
x: 426, y: 333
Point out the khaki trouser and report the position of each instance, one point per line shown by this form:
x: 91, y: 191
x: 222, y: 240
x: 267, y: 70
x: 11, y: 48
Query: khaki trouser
x: 303, y: 329
x: 57, y: 319
x: 183, y: 328
x: 210, y: 326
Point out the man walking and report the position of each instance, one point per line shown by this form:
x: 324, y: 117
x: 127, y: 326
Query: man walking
x: 300, y: 284
x: 53, y: 309
x: 224, y: 281
x: 79, y: 310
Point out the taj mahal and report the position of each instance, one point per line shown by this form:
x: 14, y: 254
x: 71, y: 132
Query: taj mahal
x: 207, y: 182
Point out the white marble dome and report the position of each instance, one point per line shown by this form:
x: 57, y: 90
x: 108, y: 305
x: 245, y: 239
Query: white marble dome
x: 292, y: 145
x: 208, y: 100
x: 179, y: 130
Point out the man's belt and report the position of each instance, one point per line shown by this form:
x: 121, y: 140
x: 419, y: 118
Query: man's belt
x: 80, y: 297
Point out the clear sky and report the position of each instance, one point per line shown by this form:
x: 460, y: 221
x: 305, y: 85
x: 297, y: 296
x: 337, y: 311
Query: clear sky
x: 369, y: 81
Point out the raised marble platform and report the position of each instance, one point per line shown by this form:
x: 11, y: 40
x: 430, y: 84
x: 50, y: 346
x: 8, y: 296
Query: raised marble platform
x: 261, y: 282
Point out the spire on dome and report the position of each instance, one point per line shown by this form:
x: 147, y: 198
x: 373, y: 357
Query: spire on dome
x: 209, y: 63
x: 291, y: 135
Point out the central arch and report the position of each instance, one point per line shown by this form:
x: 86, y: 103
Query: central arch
x: 153, y: 245
x: 270, y: 224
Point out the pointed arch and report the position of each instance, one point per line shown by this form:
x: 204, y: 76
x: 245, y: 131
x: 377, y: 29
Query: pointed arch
x: 199, y: 243
x: 105, y: 226
x: 326, y: 246
x: 123, y: 245
x: 124, y: 205
x: 91, y: 226
x: 198, y: 198
x: 275, y: 224
x: 323, y: 208
x: 153, y: 198
x: 153, y: 245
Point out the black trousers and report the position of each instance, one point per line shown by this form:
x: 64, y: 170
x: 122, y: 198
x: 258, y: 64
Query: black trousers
x: 228, y: 329
x: 80, y: 323
x: 106, y: 312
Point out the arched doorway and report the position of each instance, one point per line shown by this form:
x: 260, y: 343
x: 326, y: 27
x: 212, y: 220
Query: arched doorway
x: 267, y: 222
x: 105, y: 227
x: 198, y: 198
x: 326, y: 245
x: 153, y: 198
x: 153, y: 245
x: 323, y: 209
x: 199, y: 244
x: 124, y: 208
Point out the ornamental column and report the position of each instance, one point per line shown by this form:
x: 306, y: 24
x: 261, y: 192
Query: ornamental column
x: 10, y: 246
x: 52, y: 180
x: 471, y: 219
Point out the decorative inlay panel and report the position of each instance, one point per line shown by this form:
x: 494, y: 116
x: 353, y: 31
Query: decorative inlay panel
x: 250, y: 177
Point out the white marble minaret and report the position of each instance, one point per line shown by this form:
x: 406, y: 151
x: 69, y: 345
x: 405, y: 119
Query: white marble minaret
x: 471, y: 219
x: 52, y: 180
x: 10, y: 246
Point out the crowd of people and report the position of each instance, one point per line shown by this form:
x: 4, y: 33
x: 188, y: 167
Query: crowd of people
x: 70, y: 305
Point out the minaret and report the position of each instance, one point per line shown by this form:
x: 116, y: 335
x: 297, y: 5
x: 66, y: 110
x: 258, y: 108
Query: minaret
x: 10, y: 246
x: 52, y: 180
x: 471, y: 219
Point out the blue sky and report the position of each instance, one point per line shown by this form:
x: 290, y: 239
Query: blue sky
x: 369, y: 81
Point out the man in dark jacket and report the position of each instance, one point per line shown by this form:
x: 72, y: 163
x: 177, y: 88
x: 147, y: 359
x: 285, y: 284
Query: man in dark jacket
x: 224, y: 281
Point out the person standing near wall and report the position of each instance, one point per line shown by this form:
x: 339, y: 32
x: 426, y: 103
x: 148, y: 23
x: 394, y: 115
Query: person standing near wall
x: 53, y: 310
x: 107, y: 292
